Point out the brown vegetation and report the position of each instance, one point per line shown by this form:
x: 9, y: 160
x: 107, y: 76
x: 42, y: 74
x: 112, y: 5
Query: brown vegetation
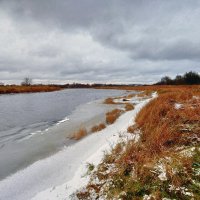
x: 132, y: 128
x: 131, y: 96
x: 113, y: 115
x: 109, y: 101
x: 98, y: 127
x: 129, y: 106
x: 82, y: 132
x: 169, y: 145
x: 150, y: 88
x: 27, y: 89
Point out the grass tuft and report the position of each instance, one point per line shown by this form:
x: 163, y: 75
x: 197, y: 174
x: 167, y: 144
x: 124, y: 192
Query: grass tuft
x: 129, y: 106
x: 109, y: 101
x: 132, y: 128
x: 98, y: 128
x: 79, y: 134
x: 112, y: 116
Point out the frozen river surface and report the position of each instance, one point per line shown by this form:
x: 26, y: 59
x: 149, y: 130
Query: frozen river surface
x: 34, y: 126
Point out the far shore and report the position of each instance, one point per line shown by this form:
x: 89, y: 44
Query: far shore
x: 10, y: 89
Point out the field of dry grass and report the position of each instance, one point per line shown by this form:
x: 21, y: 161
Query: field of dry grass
x: 165, y: 162
x: 149, y: 88
x: 27, y: 89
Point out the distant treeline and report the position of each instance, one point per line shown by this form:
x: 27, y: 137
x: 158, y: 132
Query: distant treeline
x: 189, y: 78
x: 95, y: 85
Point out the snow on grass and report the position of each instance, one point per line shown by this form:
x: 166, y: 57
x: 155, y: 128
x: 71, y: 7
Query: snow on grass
x: 178, y: 106
x: 196, y: 97
x: 189, y: 152
x: 162, y: 172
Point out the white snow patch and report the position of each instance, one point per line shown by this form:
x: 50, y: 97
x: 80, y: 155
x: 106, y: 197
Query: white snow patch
x: 162, y: 176
x: 196, y: 97
x: 178, y: 106
x: 148, y: 197
x: 183, y: 190
x: 121, y: 100
x: 188, y: 152
x: 160, y: 169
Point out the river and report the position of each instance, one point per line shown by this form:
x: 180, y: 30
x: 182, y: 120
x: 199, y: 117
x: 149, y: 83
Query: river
x: 34, y: 126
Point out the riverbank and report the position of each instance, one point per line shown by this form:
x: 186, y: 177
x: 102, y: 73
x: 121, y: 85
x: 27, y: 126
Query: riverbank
x: 90, y: 150
x: 164, y: 161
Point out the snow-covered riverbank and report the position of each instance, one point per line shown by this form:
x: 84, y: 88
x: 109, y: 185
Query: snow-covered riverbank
x: 89, y: 150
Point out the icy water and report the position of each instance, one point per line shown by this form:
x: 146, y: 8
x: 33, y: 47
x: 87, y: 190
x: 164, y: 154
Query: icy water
x: 33, y: 126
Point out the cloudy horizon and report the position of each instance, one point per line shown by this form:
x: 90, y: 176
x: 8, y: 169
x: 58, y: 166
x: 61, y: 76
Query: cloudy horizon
x: 91, y: 41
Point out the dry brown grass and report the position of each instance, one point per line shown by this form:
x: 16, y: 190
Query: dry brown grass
x: 164, y: 128
x: 27, y: 89
x: 132, y: 128
x: 159, y: 88
x: 82, y: 132
x: 165, y: 132
x: 98, y: 128
x: 131, y: 96
x: 113, y: 115
x: 109, y: 101
x: 160, y: 121
x: 129, y: 106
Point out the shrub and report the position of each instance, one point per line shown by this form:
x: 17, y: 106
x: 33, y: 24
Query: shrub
x: 80, y: 134
x: 109, y: 101
x: 129, y: 106
x: 98, y: 127
x: 113, y: 115
x: 132, y: 128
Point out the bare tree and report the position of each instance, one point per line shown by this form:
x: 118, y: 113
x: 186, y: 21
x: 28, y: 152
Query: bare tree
x: 26, y: 81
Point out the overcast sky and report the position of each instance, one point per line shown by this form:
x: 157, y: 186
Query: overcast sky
x: 128, y: 41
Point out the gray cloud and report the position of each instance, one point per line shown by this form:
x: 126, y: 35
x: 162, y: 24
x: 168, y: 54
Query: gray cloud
x: 98, y: 41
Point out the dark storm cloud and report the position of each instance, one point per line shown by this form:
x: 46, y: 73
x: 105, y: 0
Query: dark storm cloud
x: 123, y: 41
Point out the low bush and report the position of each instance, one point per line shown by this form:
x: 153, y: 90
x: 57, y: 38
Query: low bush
x: 129, y: 106
x: 132, y: 128
x: 109, y: 101
x: 113, y: 115
x: 98, y: 127
x: 82, y: 132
